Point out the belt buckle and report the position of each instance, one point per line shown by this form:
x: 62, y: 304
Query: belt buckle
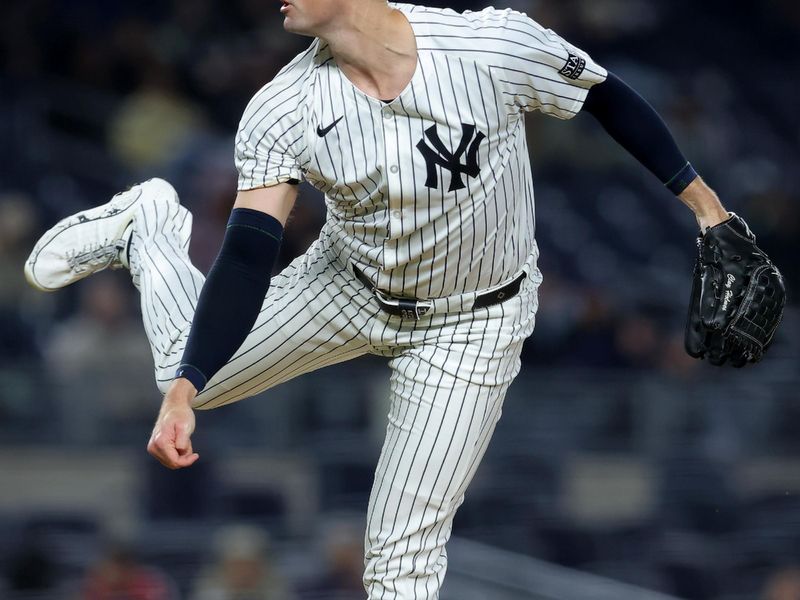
x: 407, y: 309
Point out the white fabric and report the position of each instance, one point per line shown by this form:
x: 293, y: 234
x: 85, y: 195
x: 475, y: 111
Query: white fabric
x: 476, y: 70
x: 450, y: 373
x: 415, y: 232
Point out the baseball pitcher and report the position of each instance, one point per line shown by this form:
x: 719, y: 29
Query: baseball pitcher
x: 411, y: 122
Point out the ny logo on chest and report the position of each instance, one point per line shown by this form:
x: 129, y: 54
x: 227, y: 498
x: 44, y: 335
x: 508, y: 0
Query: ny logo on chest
x: 439, y: 155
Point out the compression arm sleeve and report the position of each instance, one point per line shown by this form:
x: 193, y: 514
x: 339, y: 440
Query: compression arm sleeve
x: 232, y: 295
x: 638, y: 128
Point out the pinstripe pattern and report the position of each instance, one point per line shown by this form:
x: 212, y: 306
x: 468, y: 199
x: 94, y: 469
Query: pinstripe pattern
x: 480, y: 68
x: 415, y: 231
x: 450, y: 373
x: 168, y: 283
x: 314, y: 315
x: 447, y: 391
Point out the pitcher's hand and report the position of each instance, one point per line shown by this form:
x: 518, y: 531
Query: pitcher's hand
x: 171, y: 442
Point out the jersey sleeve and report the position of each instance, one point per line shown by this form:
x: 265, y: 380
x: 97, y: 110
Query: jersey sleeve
x: 538, y: 70
x: 270, y: 135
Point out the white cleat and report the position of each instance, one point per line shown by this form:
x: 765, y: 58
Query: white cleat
x: 91, y: 240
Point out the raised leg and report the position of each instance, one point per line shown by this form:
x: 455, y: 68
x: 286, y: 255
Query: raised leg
x: 315, y: 314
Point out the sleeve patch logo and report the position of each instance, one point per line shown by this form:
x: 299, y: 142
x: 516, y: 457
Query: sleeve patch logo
x: 574, y: 67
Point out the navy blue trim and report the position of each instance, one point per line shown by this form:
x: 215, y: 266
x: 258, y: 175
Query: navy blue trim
x: 193, y: 374
x: 682, y: 179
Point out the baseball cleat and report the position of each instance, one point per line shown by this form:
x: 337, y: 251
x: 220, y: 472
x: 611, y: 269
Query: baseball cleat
x: 91, y: 240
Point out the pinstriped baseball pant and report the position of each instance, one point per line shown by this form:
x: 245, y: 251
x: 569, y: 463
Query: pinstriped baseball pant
x: 449, y: 375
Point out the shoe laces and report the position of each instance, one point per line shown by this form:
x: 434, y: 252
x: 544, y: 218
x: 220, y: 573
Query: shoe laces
x: 96, y: 257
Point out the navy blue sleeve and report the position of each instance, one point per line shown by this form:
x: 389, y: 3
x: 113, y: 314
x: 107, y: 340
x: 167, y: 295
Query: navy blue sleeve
x: 637, y: 127
x: 232, y: 295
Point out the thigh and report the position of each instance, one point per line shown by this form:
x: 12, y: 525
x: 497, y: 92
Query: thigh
x: 446, y: 398
x: 314, y: 315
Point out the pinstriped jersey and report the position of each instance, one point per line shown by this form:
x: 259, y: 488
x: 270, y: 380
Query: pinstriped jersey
x: 431, y: 193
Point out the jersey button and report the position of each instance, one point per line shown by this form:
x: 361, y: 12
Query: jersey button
x: 397, y: 214
x: 387, y: 113
x: 393, y: 169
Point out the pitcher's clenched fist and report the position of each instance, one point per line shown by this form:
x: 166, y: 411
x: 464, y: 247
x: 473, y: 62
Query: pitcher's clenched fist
x: 170, y: 442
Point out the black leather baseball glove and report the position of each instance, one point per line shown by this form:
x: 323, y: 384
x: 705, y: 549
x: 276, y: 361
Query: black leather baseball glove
x: 738, y: 297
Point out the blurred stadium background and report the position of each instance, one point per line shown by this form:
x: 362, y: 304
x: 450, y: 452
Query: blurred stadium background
x: 617, y: 456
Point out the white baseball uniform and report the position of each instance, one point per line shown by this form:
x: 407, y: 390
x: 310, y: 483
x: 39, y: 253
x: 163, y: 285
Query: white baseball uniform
x: 431, y: 196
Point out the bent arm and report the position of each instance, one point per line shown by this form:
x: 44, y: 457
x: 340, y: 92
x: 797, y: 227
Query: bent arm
x: 234, y: 291
x: 637, y: 127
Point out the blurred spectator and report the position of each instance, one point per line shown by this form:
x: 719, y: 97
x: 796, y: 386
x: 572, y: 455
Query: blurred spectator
x: 20, y: 371
x: 119, y: 576
x: 783, y: 584
x: 30, y: 568
x: 243, y: 569
x: 101, y: 365
x: 673, y: 360
x: 155, y: 123
x: 17, y: 225
x: 344, y: 568
x: 592, y: 340
x: 637, y: 341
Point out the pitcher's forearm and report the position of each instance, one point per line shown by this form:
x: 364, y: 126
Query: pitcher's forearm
x: 234, y: 291
x: 705, y: 204
x: 637, y: 127
x: 232, y: 295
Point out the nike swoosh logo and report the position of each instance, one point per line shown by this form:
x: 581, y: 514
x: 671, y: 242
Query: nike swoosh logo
x: 323, y: 132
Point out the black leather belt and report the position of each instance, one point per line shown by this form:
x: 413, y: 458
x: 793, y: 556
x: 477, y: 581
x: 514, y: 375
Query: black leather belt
x: 408, y: 308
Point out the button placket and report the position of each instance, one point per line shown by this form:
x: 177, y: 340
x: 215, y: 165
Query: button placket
x: 392, y: 172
